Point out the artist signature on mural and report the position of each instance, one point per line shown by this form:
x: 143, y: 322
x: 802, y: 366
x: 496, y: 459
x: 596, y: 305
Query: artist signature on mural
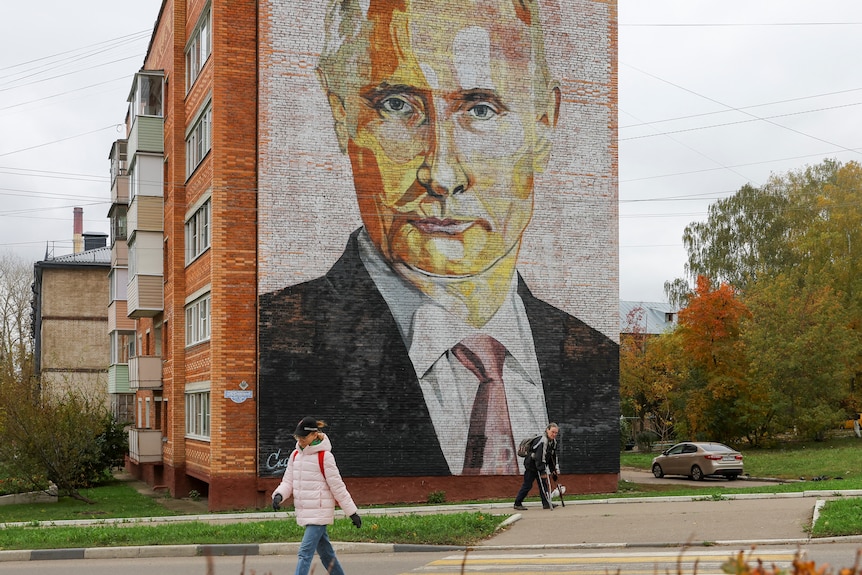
x: 275, y: 462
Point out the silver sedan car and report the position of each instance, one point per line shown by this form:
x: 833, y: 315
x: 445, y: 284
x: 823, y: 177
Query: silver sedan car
x: 698, y: 460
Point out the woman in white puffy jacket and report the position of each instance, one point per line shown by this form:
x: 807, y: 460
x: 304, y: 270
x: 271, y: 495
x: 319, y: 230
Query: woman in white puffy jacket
x: 312, y: 478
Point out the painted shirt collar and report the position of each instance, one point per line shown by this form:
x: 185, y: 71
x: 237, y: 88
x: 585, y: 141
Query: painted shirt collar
x: 429, y: 330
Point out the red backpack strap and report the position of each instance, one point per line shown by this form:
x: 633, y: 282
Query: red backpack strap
x: 319, y: 460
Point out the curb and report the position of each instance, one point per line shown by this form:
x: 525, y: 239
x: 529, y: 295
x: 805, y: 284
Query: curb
x: 426, y: 510
x: 347, y: 548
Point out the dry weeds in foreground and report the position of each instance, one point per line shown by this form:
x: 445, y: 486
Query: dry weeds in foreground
x: 737, y: 564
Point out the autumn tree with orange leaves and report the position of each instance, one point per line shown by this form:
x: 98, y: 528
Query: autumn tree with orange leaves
x: 716, y: 400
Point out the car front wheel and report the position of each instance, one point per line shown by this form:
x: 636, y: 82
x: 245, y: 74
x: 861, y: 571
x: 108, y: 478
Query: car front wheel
x: 696, y: 473
x: 656, y: 470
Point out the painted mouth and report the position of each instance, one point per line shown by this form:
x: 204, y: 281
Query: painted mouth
x: 442, y: 226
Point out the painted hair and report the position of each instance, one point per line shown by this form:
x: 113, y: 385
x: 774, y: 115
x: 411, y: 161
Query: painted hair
x: 348, y: 31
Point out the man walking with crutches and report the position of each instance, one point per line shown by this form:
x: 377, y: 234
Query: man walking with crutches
x: 539, y: 463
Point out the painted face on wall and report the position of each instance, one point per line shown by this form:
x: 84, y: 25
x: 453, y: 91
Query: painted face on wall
x: 444, y: 134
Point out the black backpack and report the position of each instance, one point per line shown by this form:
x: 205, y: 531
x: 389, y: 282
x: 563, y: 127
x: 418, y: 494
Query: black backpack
x: 526, y: 445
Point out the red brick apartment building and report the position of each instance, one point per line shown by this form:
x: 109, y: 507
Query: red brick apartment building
x: 230, y: 183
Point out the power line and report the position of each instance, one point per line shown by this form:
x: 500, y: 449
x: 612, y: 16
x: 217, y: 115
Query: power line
x: 761, y: 105
x: 43, y: 144
x: 713, y: 100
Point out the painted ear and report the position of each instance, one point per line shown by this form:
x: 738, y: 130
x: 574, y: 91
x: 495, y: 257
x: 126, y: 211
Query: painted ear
x: 339, y: 112
x: 546, y: 123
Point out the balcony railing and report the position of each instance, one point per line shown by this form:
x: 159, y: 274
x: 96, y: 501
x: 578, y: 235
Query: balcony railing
x: 145, y: 445
x: 145, y: 372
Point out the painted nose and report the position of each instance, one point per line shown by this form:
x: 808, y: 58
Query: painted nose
x: 442, y: 173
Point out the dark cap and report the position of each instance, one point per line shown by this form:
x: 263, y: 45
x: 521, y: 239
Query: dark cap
x: 306, y: 426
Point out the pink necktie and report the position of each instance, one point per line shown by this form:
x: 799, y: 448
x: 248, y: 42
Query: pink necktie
x: 490, y: 446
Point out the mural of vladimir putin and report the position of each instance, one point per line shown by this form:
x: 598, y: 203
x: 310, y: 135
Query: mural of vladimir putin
x: 423, y: 346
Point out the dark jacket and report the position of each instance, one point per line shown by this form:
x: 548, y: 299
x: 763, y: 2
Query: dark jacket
x: 330, y: 347
x: 543, y: 456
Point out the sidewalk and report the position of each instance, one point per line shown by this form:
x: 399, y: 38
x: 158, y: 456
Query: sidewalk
x: 733, y: 519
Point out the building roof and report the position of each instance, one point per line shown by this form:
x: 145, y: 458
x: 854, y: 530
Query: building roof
x: 647, y: 317
x: 98, y: 256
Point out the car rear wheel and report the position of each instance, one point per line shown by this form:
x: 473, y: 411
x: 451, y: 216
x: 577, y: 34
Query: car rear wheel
x: 657, y: 471
x: 696, y: 473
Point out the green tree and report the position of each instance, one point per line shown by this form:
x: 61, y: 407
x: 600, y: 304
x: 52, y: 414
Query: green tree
x: 801, y: 346
x: 648, y: 375
x: 790, y: 247
x: 68, y: 439
x: 754, y: 233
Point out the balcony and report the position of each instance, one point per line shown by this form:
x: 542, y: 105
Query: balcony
x: 145, y: 372
x: 146, y: 214
x: 146, y: 110
x: 118, y: 378
x: 146, y: 296
x: 145, y: 445
x: 118, y: 316
x: 119, y: 254
x: 145, y: 293
x: 119, y: 175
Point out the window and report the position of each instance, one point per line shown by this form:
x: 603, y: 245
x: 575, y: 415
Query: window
x: 197, y: 413
x: 133, y: 260
x: 118, y: 280
x: 148, y: 93
x: 119, y: 220
x: 122, y: 346
x: 157, y: 340
x: 133, y: 185
x: 199, y: 48
x: 198, y: 232
x: 198, y: 141
x: 198, y: 321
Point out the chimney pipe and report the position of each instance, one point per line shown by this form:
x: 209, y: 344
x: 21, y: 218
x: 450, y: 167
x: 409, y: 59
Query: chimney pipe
x: 78, y: 231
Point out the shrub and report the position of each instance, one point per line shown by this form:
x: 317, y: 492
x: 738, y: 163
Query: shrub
x: 437, y: 497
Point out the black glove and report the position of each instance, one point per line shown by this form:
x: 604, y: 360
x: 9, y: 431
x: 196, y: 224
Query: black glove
x: 554, y: 477
x: 276, y: 501
x: 357, y: 520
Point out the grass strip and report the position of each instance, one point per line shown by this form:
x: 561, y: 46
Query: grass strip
x: 446, y: 529
x: 839, y: 517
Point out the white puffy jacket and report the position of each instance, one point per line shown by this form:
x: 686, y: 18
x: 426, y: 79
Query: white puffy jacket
x: 315, y: 497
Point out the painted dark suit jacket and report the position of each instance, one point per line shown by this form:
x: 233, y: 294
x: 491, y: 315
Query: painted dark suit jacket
x: 330, y: 348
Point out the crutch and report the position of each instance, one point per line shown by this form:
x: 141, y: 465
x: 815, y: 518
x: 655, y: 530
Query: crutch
x: 546, y: 491
x: 559, y: 490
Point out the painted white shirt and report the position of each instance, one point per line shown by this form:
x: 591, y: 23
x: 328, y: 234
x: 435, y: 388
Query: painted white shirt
x: 429, y: 332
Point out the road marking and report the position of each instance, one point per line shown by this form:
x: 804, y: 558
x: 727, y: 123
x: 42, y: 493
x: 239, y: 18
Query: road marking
x: 634, y: 563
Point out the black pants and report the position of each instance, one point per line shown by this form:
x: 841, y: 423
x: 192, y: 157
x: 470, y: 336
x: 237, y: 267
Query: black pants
x: 531, y: 475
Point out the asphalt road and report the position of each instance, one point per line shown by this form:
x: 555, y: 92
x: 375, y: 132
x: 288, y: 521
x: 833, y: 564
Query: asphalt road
x: 647, y: 478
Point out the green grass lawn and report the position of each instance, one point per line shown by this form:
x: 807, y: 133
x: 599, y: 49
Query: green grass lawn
x: 838, y: 457
x: 448, y: 529
x: 835, y: 458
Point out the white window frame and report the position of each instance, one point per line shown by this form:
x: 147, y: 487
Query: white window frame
x: 199, y: 47
x: 198, y: 320
x: 122, y: 346
x: 198, y: 410
x: 198, y: 234
x: 199, y: 140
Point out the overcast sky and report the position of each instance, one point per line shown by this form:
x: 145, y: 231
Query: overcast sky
x: 713, y: 95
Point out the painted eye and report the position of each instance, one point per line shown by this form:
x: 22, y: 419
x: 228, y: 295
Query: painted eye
x: 482, y: 112
x: 394, y: 105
